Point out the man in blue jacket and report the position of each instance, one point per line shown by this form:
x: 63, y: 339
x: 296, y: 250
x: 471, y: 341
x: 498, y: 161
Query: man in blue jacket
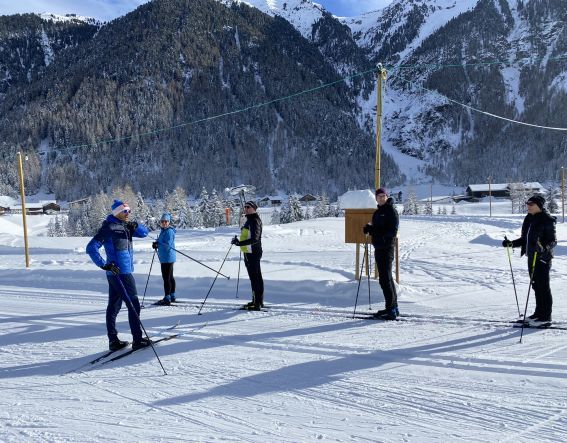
x: 165, y: 246
x: 115, y: 235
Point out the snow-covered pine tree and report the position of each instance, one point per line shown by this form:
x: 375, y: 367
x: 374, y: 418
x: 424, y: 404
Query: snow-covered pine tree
x: 205, y: 208
x: 551, y: 197
x: 217, y: 213
x: 51, y: 228
x: 296, y: 210
x: 411, y: 206
x: 285, y: 213
x: 428, y: 208
x: 276, y: 217
x: 142, y: 212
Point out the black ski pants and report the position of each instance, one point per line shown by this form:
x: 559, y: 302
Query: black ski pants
x: 542, y: 291
x: 252, y: 263
x: 116, y: 296
x: 168, y: 280
x: 384, y: 260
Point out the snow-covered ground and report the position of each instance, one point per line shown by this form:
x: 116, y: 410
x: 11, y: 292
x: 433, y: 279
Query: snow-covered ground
x: 302, y: 371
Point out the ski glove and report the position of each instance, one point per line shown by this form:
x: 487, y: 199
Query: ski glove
x: 235, y: 241
x: 154, y: 245
x: 507, y: 243
x: 367, y: 229
x: 112, y: 268
x: 132, y: 225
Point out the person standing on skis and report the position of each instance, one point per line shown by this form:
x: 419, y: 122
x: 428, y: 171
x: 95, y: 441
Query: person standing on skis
x: 165, y: 246
x: 537, y: 241
x: 250, y: 243
x: 384, y: 230
x: 115, y: 235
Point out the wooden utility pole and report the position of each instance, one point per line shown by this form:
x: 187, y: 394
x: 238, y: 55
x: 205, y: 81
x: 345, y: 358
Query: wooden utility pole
x: 23, y: 196
x: 490, y: 195
x: 563, y: 192
x: 380, y: 75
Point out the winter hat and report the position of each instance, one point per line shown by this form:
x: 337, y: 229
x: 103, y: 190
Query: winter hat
x: 538, y: 200
x: 381, y: 191
x: 166, y: 216
x: 118, y: 206
x: 252, y: 204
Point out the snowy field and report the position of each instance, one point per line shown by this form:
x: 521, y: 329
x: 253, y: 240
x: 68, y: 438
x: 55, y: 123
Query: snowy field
x: 302, y: 371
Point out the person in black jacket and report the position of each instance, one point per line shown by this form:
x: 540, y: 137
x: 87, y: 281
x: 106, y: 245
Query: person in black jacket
x: 538, y: 237
x: 384, y: 229
x: 251, y: 245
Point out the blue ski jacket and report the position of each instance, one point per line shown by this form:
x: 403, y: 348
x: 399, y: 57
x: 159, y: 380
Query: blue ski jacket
x: 116, y: 238
x: 166, y: 243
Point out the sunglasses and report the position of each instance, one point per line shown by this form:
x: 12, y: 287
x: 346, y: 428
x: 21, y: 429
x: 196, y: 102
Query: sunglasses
x: 247, y: 207
x: 164, y: 221
x: 126, y: 211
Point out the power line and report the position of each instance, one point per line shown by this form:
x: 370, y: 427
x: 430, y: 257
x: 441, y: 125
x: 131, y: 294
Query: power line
x: 435, y: 66
x: 480, y: 111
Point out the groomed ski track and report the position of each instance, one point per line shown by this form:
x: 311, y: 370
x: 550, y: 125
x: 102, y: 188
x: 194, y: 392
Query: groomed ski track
x: 302, y: 371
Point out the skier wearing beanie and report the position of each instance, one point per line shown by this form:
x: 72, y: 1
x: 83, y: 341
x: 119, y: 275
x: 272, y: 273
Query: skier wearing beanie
x: 250, y: 243
x: 538, y: 240
x: 165, y: 247
x: 115, y: 235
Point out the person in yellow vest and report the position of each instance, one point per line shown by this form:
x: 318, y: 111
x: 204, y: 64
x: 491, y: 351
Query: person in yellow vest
x: 251, y: 246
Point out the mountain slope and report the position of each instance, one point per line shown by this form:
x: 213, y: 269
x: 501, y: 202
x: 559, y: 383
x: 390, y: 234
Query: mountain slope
x: 177, y: 61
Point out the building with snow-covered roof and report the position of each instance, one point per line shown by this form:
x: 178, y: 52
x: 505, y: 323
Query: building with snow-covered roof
x: 499, y: 189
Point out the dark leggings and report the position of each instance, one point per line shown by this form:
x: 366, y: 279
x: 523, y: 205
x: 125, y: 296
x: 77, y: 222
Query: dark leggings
x: 384, y: 260
x: 542, y: 291
x: 252, y: 263
x: 168, y: 280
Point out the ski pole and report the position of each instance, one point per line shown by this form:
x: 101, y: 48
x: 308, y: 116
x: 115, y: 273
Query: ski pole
x: 212, y: 284
x: 512, y: 273
x: 196, y: 261
x: 367, y: 252
x: 148, y: 280
x: 238, y: 277
x: 528, y: 297
x: 358, y: 289
x: 129, y: 303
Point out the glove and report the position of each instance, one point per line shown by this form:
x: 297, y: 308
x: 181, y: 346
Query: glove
x: 367, y: 229
x: 112, y: 268
x: 154, y: 245
x: 507, y: 243
x: 235, y: 241
x: 540, y: 248
x: 132, y: 225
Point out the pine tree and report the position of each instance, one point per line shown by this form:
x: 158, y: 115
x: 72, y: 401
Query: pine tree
x: 51, y: 228
x: 411, y: 206
x: 142, y: 212
x: 276, y: 217
x: 217, y: 213
x: 551, y: 197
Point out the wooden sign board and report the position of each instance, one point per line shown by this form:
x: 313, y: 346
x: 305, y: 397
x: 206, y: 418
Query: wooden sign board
x: 355, y: 219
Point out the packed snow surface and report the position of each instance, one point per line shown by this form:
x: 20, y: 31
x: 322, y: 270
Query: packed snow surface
x: 304, y: 370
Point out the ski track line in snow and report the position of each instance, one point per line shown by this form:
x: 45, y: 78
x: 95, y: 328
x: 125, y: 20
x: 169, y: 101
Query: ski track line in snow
x: 187, y: 417
x: 418, y: 403
x: 347, y: 315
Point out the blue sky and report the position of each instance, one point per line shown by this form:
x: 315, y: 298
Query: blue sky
x: 109, y: 9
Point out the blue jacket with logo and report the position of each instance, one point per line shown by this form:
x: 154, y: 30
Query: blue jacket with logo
x: 166, y: 243
x: 116, y: 237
